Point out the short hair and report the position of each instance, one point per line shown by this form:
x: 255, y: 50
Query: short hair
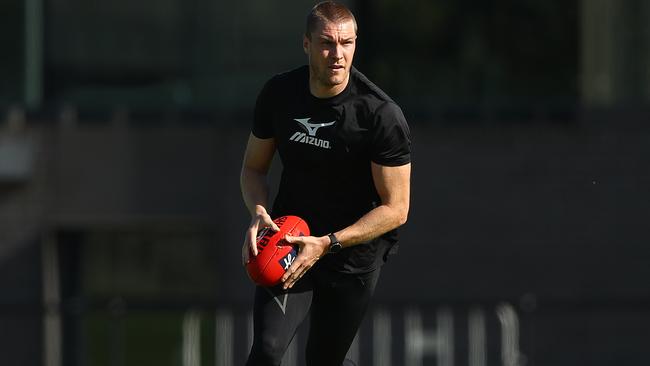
x: 328, y: 11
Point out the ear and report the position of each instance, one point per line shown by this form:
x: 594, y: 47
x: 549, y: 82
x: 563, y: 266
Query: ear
x: 305, y: 43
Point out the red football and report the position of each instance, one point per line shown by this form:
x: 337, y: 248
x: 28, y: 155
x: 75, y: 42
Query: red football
x: 274, y: 255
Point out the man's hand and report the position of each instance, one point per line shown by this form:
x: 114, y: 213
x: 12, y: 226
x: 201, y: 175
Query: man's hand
x: 260, y: 220
x: 311, y: 249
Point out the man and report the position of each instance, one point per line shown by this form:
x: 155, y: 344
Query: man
x: 345, y: 151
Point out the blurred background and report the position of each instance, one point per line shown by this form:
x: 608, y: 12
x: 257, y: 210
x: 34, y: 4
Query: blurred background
x: 123, y: 123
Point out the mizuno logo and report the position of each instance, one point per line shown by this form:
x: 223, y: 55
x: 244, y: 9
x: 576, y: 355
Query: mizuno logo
x: 312, y: 128
x: 303, y: 138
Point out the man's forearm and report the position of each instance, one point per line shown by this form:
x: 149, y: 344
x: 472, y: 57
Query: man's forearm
x: 372, y: 225
x: 393, y: 186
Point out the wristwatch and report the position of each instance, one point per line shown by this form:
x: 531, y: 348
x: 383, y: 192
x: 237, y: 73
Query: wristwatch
x: 335, y: 244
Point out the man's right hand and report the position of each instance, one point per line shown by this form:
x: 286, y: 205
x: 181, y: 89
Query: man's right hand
x: 260, y: 220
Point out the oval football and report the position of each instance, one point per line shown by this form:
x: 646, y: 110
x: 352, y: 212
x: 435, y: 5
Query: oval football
x: 274, y: 258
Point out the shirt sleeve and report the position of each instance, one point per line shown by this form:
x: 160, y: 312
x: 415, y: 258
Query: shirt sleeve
x: 391, y: 143
x: 263, y: 115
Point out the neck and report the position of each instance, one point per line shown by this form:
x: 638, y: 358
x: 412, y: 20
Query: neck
x: 319, y: 90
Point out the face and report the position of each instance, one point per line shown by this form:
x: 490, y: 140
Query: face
x: 330, y: 51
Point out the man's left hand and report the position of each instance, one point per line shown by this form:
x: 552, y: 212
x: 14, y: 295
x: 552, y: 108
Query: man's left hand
x: 311, y: 249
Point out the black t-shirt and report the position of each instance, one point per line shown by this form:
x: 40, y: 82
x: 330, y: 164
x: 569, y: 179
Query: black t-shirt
x: 326, y: 146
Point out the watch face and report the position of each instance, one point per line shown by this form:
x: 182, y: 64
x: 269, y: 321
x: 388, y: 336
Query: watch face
x: 335, y: 247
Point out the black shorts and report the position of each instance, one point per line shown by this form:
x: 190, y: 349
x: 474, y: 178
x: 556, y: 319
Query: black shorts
x: 336, y: 303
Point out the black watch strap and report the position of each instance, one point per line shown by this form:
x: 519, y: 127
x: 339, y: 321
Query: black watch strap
x: 335, y: 245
